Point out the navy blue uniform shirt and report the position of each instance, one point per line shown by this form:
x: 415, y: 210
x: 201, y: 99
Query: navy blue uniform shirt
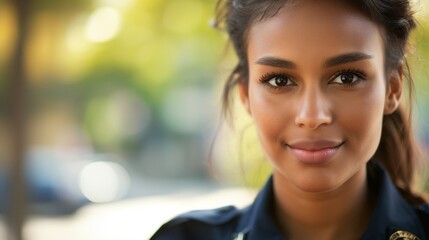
x: 392, y: 218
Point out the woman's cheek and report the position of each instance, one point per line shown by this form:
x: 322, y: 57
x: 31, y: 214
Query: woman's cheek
x: 360, y: 119
x: 270, y: 117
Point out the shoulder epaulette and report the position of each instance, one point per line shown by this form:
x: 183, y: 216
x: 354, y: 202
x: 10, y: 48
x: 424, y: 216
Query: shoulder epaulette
x: 200, y: 224
x: 213, y: 216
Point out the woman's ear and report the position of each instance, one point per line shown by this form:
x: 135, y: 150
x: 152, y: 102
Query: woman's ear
x: 394, y: 90
x: 243, y: 89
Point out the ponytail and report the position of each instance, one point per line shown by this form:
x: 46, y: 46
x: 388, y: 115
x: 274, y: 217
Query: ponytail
x: 398, y: 153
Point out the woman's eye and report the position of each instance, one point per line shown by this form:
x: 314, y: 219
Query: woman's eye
x: 279, y: 81
x: 346, y: 78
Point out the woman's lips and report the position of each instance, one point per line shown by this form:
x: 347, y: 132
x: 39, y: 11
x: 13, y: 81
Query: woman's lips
x: 315, y: 152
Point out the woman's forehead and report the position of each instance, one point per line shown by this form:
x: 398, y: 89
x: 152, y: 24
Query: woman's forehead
x: 315, y: 28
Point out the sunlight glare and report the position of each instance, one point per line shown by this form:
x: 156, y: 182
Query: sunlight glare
x: 103, y: 25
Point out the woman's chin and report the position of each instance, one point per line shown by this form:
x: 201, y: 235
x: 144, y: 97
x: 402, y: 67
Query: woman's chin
x: 315, y: 184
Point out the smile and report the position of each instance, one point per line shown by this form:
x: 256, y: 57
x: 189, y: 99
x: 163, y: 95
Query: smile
x: 314, y: 152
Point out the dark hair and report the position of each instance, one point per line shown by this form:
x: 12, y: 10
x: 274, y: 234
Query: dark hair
x: 397, y: 151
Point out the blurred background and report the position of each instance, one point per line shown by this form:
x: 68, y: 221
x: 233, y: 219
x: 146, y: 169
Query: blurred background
x: 109, y: 117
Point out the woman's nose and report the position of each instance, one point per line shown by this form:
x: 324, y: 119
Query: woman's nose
x: 313, y: 110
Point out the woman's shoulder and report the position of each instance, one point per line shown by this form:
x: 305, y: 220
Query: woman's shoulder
x: 216, y: 223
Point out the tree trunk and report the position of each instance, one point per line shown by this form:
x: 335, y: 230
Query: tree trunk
x: 17, y: 122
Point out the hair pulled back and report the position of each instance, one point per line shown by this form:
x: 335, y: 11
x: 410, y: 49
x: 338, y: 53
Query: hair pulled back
x: 397, y: 150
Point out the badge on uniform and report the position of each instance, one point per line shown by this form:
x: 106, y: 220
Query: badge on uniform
x: 403, y: 235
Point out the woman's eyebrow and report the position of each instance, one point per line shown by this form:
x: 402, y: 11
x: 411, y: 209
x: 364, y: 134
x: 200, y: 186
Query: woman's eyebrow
x: 346, y: 58
x: 275, y: 62
x: 336, y: 60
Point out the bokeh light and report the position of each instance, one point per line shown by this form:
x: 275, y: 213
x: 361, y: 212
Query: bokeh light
x: 103, y: 24
x: 103, y: 181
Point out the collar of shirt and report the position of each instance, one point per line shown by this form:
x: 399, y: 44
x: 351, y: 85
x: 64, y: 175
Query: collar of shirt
x: 391, y: 215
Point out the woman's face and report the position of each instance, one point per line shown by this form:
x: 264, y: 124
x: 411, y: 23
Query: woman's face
x: 317, y: 92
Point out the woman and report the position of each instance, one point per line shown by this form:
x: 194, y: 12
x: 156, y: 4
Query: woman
x: 322, y: 81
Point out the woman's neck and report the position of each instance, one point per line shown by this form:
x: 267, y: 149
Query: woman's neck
x: 342, y: 213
